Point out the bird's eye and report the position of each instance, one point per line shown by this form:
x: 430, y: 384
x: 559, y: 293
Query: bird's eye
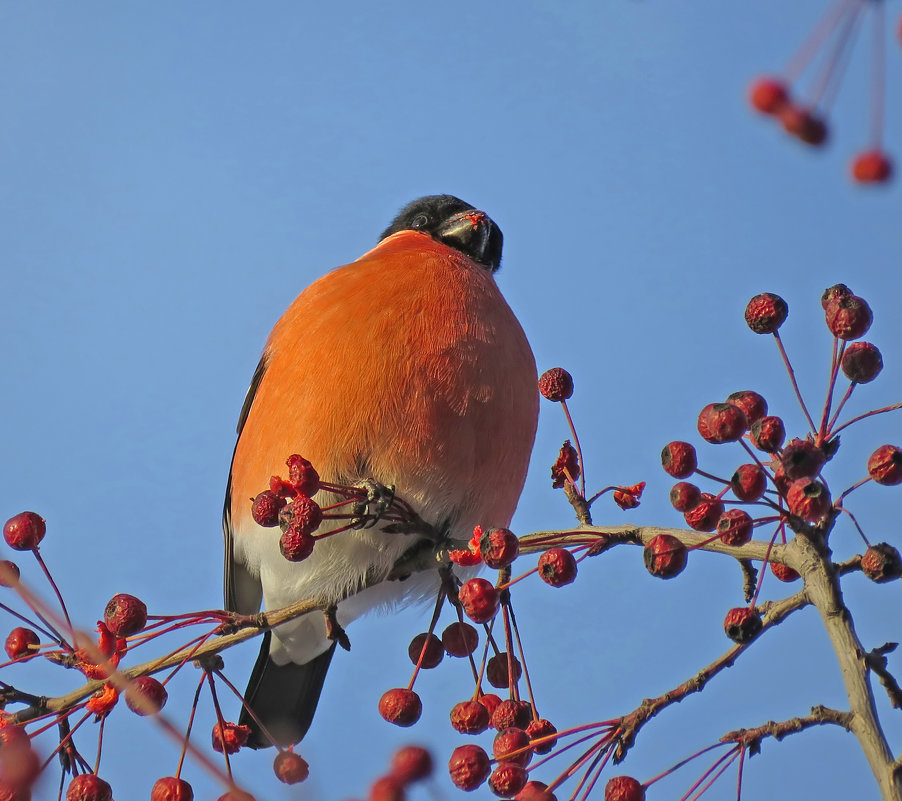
x: 419, y: 221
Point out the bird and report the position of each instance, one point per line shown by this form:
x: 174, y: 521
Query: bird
x: 406, y: 367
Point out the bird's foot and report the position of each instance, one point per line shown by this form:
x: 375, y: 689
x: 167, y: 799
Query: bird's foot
x: 376, y: 501
x: 334, y: 630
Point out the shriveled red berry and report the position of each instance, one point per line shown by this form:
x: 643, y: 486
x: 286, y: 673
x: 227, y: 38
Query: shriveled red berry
x: 623, y: 788
x: 296, y: 544
x: 557, y: 567
x: 434, y: 650
x: 497, y: 670
x: 411, y: 763
x: 460, y: 639
x: 801, y: 458
x: 721, y: 422
x: 556, y: 384
x: 783, y: 572
x: 734, y: 527
x: 470, y: 717
x: 9, y: 573
x: 512, y: 745
x: 753, y: 404
x: 862, y: 362
x: 266, y: 507
x: 808, y: 499
x: 125, y: 615
x: 742, y: 624
x: 766, y: 312
x: 499, y: 547
x: 479, y: 600
x: 767, y: 434
x: 490, y: 701
x: 511, y: 714
x: 387, y: 788
x: 21, y: 642
x: 833, y: 292
x: 881, y: 563
x: 679, y: 459
x: 871, y: 167
x: 803, y: 124
x: 25, y: 531
x: 146, y: 696
x: 290, y: 768
x: 169, y: 788
x: 848, y: 317
x: 705, y: 514
x: 540, y: 729
x: 885, y: 465
x: 400, y: 706
x: 88, y: 787
x: 535, y: 790
x: 768, y: 95
x: 665, y: 556
x: 469, y: 767
x: 302, y: 475
x: 748, y: 482
x: 685, y: 496
x: 231, y: 737
x: 507, y: 779
x: 306, y: 514
x: 567, y: 464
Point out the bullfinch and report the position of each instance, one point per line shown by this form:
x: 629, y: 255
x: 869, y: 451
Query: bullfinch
x: 405, y: 367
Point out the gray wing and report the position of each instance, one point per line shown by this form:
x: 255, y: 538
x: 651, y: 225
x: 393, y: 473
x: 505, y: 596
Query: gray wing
x: 243, y: 592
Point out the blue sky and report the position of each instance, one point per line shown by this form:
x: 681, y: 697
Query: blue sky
x: 171, y: 176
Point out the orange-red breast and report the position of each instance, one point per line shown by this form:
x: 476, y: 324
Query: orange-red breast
x: 407, y: 367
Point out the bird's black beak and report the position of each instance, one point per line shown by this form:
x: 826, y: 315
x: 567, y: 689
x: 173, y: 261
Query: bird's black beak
x: 474, y: 234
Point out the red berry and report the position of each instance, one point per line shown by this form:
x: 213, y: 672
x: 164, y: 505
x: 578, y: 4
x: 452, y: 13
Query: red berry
x: 748, y: 482
x: 469, y: 767
x: 490, y: 701
x: 734, y: 527
x: 499, y: 547
x: 170, y: 788
x: 705, y: 514
x: 400, y: 706
x: 742, y: 624
x: 556, y: 384
x: 9, y: 573
x: 567, y: 463
x: 833, y: 292
x: 765, y: 313
x: 479, y: 600
x: 306, y: 514
x: 496, y: 670
x: 783, y: 572
x: 230, y: 736
x: 21, y: 642
x: 460, y: 639
x: 411, y: 764
x: 803, y: 124
x: 88, y: 787
x: 235, y: 795
x: 25, y: 531
x: 808, y: 499
x: 470, y: 717
x: 722, y: 422
x: 557, y: 567
x: 125, y: 615
x: 535, y: 791
x: 434, y: 650
x: 146, y: 696
x: 290, y: 768
x: 266, y: 507
x: 10, y: 791
x: 512, y: 745
x: 507, y: 779
x: 539, y: 729
x: 768, y: 95
x: 872, y: 167
x: 624, y: 788
x: 885, y: 465
x: 302, y: 475
x: 511, y: 714
x: 862, y: 362
x: 801, y: 458
x: 296, y: 544
x: 881, y: 563
x: 767, y: 434
x: 685, y: 496
x: 387, y: 788
x: 678, y: 459
x: 753, y: 404
x: 848, y: 317
x: 665, y: 556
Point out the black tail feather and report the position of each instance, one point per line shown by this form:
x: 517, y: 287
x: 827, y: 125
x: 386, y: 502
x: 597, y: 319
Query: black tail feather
x: 283, y: 697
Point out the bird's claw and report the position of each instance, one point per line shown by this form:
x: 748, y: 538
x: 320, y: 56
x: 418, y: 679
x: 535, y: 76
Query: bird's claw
x: 369, y: 510
x: 334, y: 630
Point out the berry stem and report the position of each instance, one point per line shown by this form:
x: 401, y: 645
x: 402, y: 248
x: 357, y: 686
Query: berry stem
x: 31, y: 624
x: 739, y: 773
x: 835, y: 360
x: 532, y: 698
x: 579, y: 450
x: 439, y: 602
x: 678, y: 765
x: 792, y: 378
x: 839, y: 408
x: 868, y: 414
x: 59, y: 597
x: 702, y: 786
x: 838, y: 59
x: 878, y: 75
x: 221, y: 720
x: 100, y: 730
x: 855, y: 523
x: 816, y: 38
x: 200, y: 686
